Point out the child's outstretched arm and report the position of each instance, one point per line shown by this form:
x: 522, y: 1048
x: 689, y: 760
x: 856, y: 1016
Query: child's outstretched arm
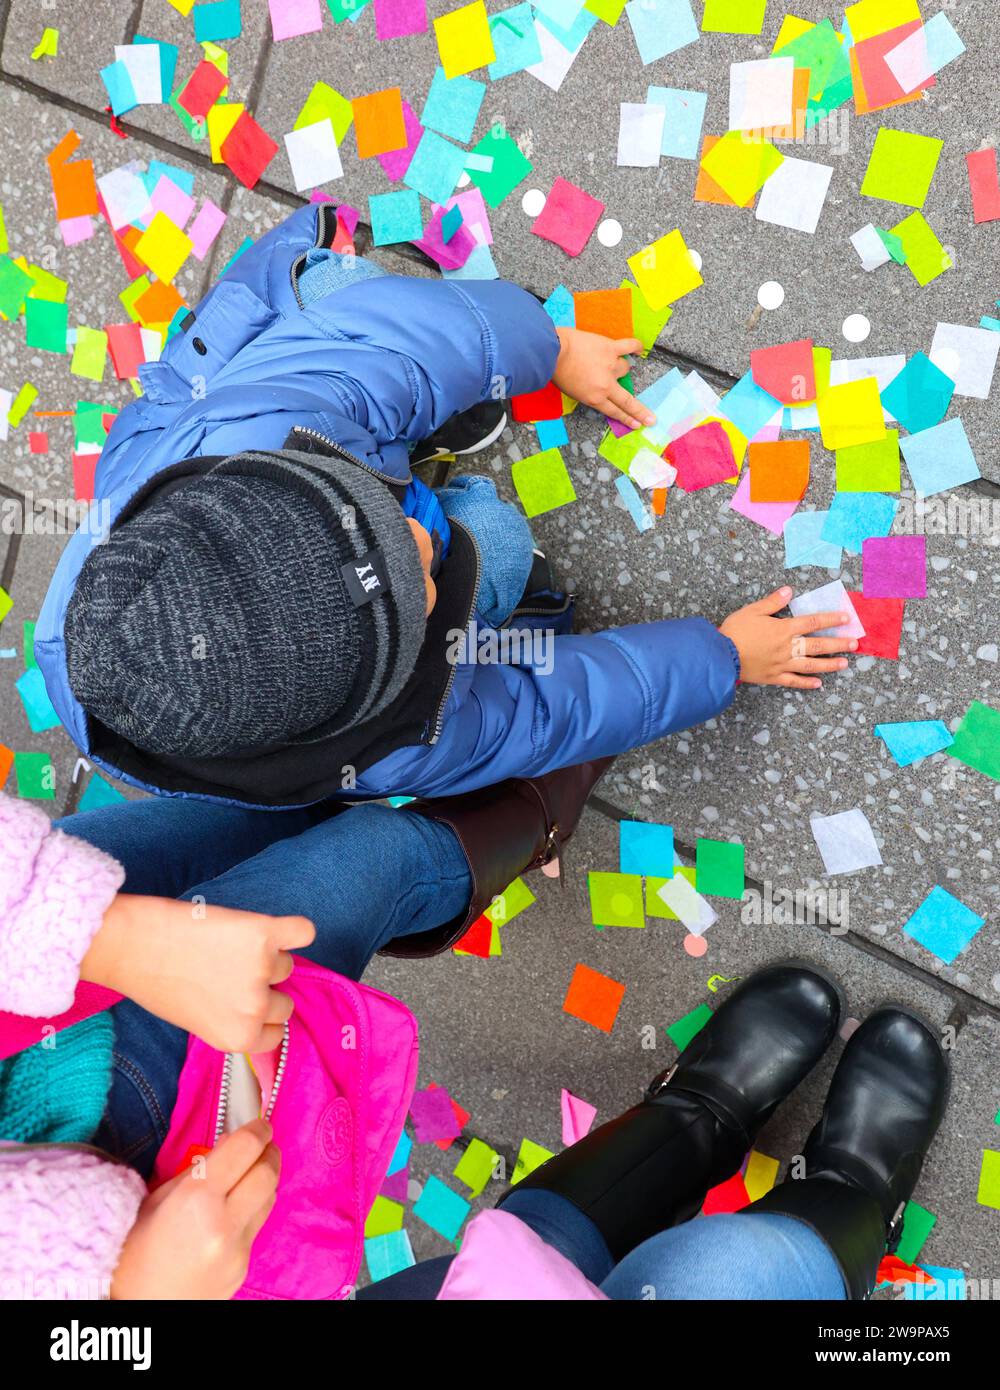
x: 608, y: 693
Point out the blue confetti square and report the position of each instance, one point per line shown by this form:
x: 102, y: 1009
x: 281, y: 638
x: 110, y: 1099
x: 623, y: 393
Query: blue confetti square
x: 683, y: 121
x: 634, y: 504
x: 115, y: 77
x: 943, y: 925
x: 561, y: 307
x: 940, y: 458
x: 441, y: 1208
x: 646, y: 849
x: 400, y: 1155
x: 551, y: 434
x: 452, y: 106
x: 562, y: 13
x: 479, y: 266
x: 395, y: 216
x: 804, y: 543
x: 36, y: 702
x: 749, y: 406
x: 435, y: 168
x: 855, y: 516
x: 911, y: 740
x: 661, y: 26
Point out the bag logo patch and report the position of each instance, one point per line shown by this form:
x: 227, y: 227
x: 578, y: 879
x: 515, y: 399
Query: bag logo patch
x: 336, y: 1126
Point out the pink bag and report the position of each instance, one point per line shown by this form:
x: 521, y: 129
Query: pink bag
x: 337, y: 1096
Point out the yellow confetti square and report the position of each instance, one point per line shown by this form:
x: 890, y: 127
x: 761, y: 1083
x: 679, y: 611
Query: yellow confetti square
x: 463, y: 39
x: 851, y: 414
x: 871, y: 17
x: 760, y: 1175
x: 741, y: 166
x: 163, y: 247
x: 664, y: 270
x: 220, y: 120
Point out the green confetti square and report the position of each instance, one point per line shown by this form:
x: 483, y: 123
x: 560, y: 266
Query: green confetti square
x: 655, y: 906
x: 475, y: 1167
x: 616, y: 900
x: 36, y: 778
x: 989, y: 1180
x: 917, y: 1225
x: 45, y: 325
x: 870, y: 467
x: 621, y: 450
x: 509, y: 166
x: 977, y: 741
x: 530, y: 1156
x: 688, y: 1027
x: 514, y: 899
x: 720, y: 868
x: 542, y: 482
x: 385, y: 1216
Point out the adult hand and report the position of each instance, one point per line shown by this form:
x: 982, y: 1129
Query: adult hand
x: 783, y: 651
x: 210, y: 970
x: 589, y: 368
x: 193, y: 1236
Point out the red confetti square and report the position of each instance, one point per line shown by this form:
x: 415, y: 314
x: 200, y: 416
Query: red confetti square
x: 545, y: 404
x: 727, y: 1197
x: 568, y: 217
x: 84, y: 468
x: 786, y: 371
x: 882, y: 620
x: 38, y: 442
x: 248, y: 150
x: 202, y: 90
x: 702, y: 457
x: 594, y: 998
x: 125, y: 346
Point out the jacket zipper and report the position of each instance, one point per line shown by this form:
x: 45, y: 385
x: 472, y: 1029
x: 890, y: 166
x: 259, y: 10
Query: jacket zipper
x: 353, y: 458
x: 227, y: 1081
x: 321, y: 240
x: 439, y: 717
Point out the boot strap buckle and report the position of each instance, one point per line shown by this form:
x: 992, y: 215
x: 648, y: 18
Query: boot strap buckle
x: 896, y: 1226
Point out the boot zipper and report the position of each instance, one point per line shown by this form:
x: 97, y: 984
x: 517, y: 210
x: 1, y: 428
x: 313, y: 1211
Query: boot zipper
x: 227, y: 1081
x: 348, y: 457
x: 439, y: 717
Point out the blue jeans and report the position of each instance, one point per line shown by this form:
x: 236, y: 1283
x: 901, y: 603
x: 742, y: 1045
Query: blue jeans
x: 501, y: 532
x: 362, y: 876
x: 760, y: 1257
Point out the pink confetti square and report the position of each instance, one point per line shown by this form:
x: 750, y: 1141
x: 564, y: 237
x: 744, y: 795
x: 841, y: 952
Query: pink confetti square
x: 450, y: 255
x: 472, y: 206
x: 76, y: 229
x: 568, y: 217
x: 168, y: 198
x: 894, y: 567
x: 702, y: 457
x: 206, y: 227
x: 394, y: 19
x: 433, y: 1116
x: 396, y: 162
x: 771, y: 515
x: 289, y: 18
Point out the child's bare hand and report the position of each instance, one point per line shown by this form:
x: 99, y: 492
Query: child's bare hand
x: 589, y: 368
x: 193, y: 1236
x: 782, y: 651
x: 211, y: 971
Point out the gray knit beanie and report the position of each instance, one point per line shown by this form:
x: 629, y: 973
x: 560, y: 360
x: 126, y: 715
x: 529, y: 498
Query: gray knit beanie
x: 277, y: 598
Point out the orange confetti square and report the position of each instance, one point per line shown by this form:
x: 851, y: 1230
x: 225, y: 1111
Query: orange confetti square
x: 594, y: 998
x: 158, y: 304
x: 6, y: 762
x: 779, y: 471
x: 706, y: 189
x: 604, y: 311
x: 379, y: 127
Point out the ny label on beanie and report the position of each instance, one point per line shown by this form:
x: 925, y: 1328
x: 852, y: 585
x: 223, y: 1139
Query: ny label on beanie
x: 366, y: 578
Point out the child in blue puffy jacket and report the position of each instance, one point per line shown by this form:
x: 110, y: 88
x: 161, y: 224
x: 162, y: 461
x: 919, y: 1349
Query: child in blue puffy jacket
x: 282, y: 613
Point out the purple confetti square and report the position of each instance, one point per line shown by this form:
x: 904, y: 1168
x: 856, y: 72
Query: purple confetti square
x: 397, y: 1185
x: 432, y: 1115
x: 894, y: 567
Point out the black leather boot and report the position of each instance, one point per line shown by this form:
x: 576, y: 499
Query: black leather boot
x: 886, y: 1101
x: 504, y: 831
x: 650, y: 1168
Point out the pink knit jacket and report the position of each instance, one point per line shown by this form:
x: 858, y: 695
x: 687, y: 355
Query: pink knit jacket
x: 64, y: 1212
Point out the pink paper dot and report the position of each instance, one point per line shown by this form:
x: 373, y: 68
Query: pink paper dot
x: 695, y: 945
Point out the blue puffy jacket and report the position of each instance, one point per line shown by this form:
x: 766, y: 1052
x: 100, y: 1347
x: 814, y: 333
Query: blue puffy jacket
x: 373, y: 367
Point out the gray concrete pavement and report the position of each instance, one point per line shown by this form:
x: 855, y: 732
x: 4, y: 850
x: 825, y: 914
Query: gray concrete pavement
x: 493, y: 1031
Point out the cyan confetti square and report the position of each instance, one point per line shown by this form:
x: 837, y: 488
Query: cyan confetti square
x: 388, y: 1254
x: 563, y: 13
x: 515, y: 41
x: 400, y: 1155
x: 551, y: 434
x: 749, y: 406
x: 452, y: 106
x: 561, y: 308
x: 683, y: 121
x: 661, y: 26
x: 854, y: 516
x: 435, y: 168
x: 646, y: 849
x: 804, y: 543
x: 573, y: 35
x: 116, y: 79
x: 943, y: 925
x: 920, y: 395
x: 940, y: 458
x: 634, y: 504
x: 395, y: 216
x: 441, y: 1208
x: 36, y: 702
x: 911, y: 740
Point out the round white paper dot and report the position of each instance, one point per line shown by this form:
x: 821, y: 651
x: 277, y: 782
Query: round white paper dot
x: 464, y: 181
x: 696, y: 257
x: 609, y: 233
x: 856, y: 328
x: 533, y: 202
x: 771, y: 295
